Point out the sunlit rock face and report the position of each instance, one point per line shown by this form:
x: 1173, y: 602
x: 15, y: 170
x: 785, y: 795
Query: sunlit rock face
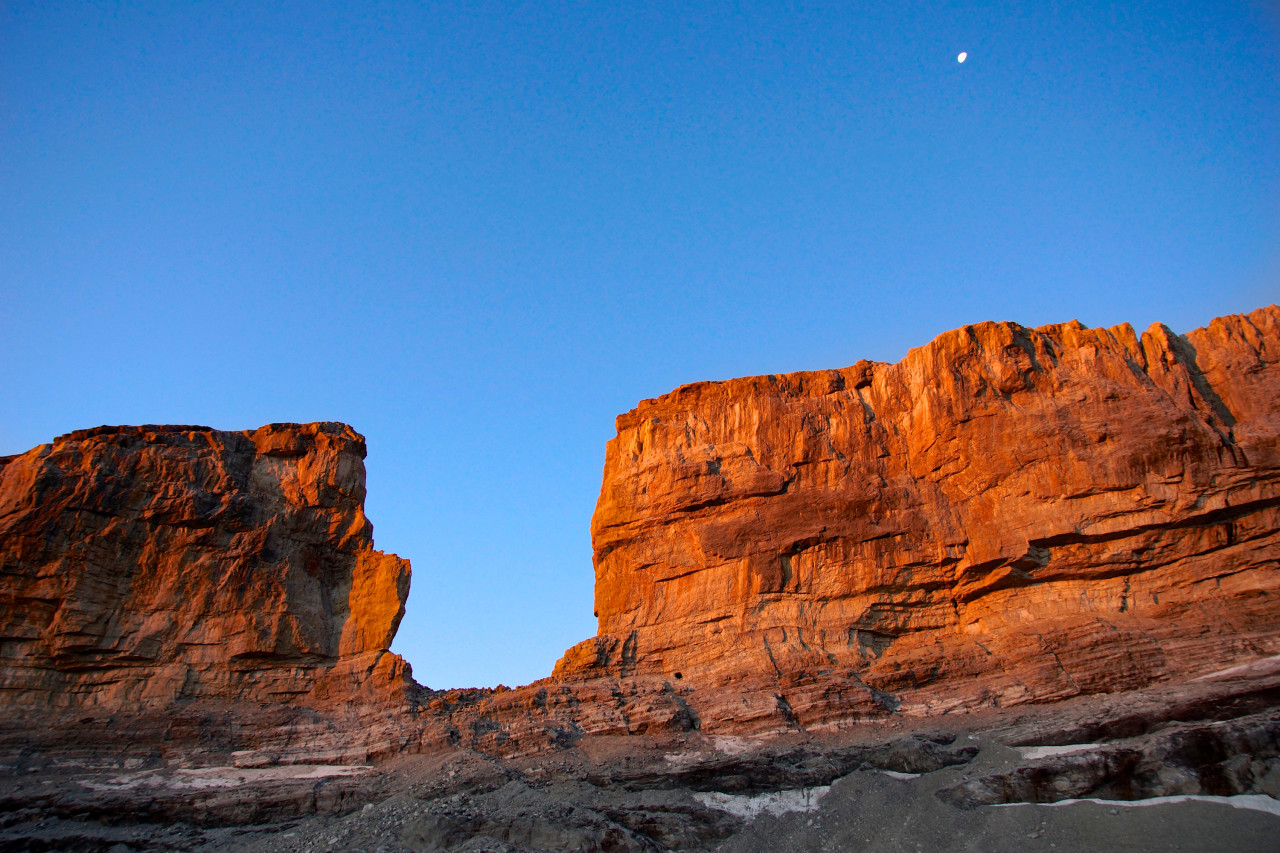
x: 1007, y: 515
x: 146, y: 566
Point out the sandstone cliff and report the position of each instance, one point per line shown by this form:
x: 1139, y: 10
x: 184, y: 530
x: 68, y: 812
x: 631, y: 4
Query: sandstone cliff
x: 194, y: 625
x: 1008, y: 515
x: 146, y: 566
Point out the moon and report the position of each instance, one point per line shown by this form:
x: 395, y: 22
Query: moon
x: 962, y: 57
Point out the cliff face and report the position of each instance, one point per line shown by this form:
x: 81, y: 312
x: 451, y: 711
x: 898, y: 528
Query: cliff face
x: 142, y: 566
x: 1007, y: 515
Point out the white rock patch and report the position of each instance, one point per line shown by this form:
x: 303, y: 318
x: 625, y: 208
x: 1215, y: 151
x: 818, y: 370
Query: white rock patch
x: 752, y: 806
x: 730, y: 745
x: 1034, y: 752
x: 894, y: 774
x: 225, y: 777
x: 1253, y: 802
x: 1256, y: 667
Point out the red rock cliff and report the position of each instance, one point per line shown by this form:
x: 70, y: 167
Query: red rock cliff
x: 1007, y: 515
x: 140, y: 566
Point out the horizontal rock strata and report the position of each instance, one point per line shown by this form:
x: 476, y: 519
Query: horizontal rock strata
x: 1008, y: 515
x: 147, y: 567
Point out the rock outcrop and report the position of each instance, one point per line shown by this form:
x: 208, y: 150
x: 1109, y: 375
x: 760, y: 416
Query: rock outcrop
x: 143, y: 568
x: 1006, y: 516
x: 194, y: 626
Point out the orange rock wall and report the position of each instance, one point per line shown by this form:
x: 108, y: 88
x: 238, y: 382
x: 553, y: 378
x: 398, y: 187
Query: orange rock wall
x: 1006, y: 515
x: 140, y: 566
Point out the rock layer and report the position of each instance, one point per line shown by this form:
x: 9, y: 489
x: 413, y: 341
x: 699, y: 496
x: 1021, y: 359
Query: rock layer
x: 146, y: 566
x: 1007, y: 515
x: 194, y: 624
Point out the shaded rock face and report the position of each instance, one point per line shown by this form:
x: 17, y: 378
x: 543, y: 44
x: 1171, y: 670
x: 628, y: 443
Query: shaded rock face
x: 1221, y: 759
x: 1007, y: 515
x: 143, y: 566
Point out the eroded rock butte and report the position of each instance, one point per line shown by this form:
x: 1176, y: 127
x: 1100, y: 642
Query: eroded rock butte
x: 148, y: 570
x: 1008, y: 515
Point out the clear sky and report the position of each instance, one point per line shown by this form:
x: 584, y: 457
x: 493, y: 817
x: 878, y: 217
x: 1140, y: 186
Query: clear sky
x: 479, y: 231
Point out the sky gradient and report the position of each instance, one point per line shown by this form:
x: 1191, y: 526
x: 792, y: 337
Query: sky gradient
x: 477, y: 232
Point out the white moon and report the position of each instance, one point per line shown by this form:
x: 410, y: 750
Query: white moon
x: 962, y: 57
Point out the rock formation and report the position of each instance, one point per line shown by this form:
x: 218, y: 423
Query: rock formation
x: 1006, y: 516
x: 144, y: 567
x: 1084, y: 523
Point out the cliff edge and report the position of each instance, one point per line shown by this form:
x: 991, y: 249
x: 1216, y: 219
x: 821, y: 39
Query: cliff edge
x: 149, y: 567
x: 1006, y: 516
x: 866, y: 566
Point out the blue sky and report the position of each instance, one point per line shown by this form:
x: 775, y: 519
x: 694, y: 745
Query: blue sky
x: 477, y: 232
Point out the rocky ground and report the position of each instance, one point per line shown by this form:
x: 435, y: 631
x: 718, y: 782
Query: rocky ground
x: 1189, y: 766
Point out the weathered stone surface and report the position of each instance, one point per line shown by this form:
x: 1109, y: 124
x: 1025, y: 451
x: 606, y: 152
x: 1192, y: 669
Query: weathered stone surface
x: 141, y: 567
x: 1081, y: 523
x: 688, y: 790
x: 1006, y: 516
